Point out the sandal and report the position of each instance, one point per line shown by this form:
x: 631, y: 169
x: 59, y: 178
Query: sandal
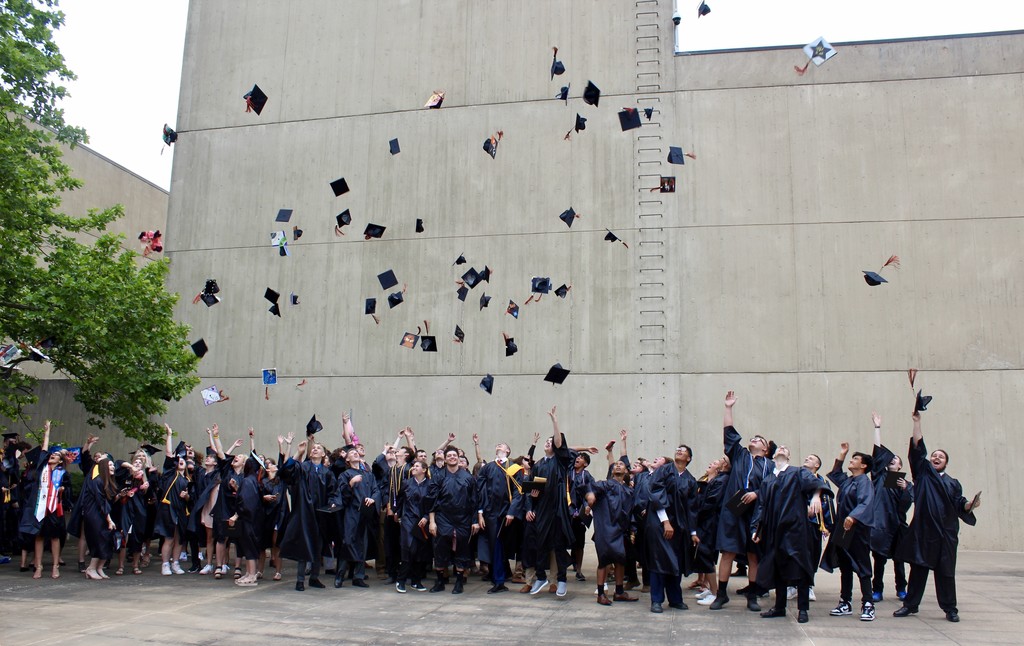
x: 38, y: 573
x: 136, y: 571
x: 259, y: 575
x: 119, y: 571
x: 238, y: 572
x: 217, y: 574
x: 277, y: 576
x: 55, y: 574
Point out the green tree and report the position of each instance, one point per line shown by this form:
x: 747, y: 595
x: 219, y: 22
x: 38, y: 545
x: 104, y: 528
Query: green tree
x: 110, y: 319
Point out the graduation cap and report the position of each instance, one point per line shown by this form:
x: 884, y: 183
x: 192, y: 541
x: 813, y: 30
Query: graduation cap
x: 200, y: 348
x: 283, y: 215
x: 485, y: 300
x: 343, y: 218
x: 873, y: 279
x: 667, y: 185
x: 461, y: 260
x: 581, y: 123
x: 393, y: 147
x: 409, y: 340
x: 540, y: 285
x: 819, y: 51
x: 562, y: 291
x: 150, y: 449
x: 486, y: 274
x: 921, y: 404
x: 169, y: 135
x: 563, y: 94
x: 557, y: 68
x: 296, y: 233
x: 703, y: 9
x: 271, y: 295
x: 313, y: 426
x: 428, y: 343
x: 510, y: 346
x: 471, y: 278
x: 10, y: 436
x: 463, y: 291
x: 255, y: 99
x: 419, y: 225
x: 675, y: 155
x: 211, y: 395
x: 491, y: 144
x: 373, y: 231
x: 487, y: 384
x: 435, y: 100
x: 512, y: 309
x: 648, y: 112
x: 611, y: 237
x: 371, y: 306
x: 556, y: 374
x: 629, y: 118
x: 394, y: 300
x: 209, y: 299
x: 339, y: 186
x: 568, y: 216
x: 592, y: 94
x: 535, y: 484
x: 387, y: 279
x: 293, y: 298
x: 460, y: 336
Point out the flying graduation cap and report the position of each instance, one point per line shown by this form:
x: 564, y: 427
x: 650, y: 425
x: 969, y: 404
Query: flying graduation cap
x: 169, y: 135
x: 568, y: 216
x: 462, y: 292
x: 435, y: 100
x: 563, y: 291
x: 428, y: 343
x: 611, y: 237
x: 283, y: 215
x: 395, y: 299
x: 394, y: 147
x: 255, y: 99
x: 510, y: 345
x: 487, y: 384
x: 200, y: 348
x: 557, y: 68
x: 339, y: 187
x: 296, y: 232
x: 209, y: 293
x: 461, y: 260
x: 581, y: 124
x: 373, y: 231
x: 921, y: 403
x: 387, y: 279
x: 419, y: 225
x: 677, y: 156
x: 629, y: 118
x: 648, y: 112
x: 556, y: 374
x: 875, y: 279
x: 666, y: 185
x: 563, y: 94
x: 540, y: 285
x: 817, y: 52
x: 703, y: 9
x: 460, y: 336
x: 485, y: 300
x: 342, y: 219
x: 491, y: 144
x: 512, y: 309
x: 273, y: 297
x: 313, y: 426
x: 471, y: 278
x: 591, y: 94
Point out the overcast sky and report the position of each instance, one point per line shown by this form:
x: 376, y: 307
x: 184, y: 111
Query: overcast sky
x: 127, y: 53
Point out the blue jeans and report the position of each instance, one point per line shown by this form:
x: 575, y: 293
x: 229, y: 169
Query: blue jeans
x: 663, y: 585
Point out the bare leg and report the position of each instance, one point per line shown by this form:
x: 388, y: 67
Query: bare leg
x: 37, y: 563
x: 55, y: 551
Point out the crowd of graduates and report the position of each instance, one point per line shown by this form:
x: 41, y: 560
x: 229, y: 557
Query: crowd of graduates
x: 432, y: 520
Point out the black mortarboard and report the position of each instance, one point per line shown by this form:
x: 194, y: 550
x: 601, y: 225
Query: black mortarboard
x: 540, y: 285
x: 343, y: 218
x: 512, y: 309
x: 419, y: 225
x: 275, y: 309
x: 211, y: 287
x: 648, y: 112
x: 313, y: 426
x: 611, y: 237
x: 393, y: 146
x: 487, y: 384
x: 629, y: 118
x: 293, y: 298
x: 581, y: 123
x: 283, y: 215
x: 485, y: 274
x: 463, y: 291
x: 169, y: 135
x: 592, y: 94
x: 209, y: 299
x: 180, y: 449
x: 922, y: 402
x: 471, y: 278
x: 271, y: 295
x: 557, y: 374
x: 459, y: 334
x: 568, y: 216
x: 703, y: 9
x: 211, y: 451
x: 150, y: 449
x: 409, y: 340
x: 557, y: 68
x: 562, y: 291
x: 490, y: 147
x: 296, y: 233
x: 200, y: 348
x: 394, y: 300
x: 10, y: 436
x: 255, y: 99
x: 374, y: 231
x: 485, y: 300
x: 387, y: 279
x: 667, y: 185
x: 283, y: 250
x: 371, y: 306
x: 50, y: 341
x: 339, y: 186
x: 873, y: 279
x: 428, y: 343
x: 461, y: 260
x: 510, y: 346
x: 563, y: 94
x: 675, y: 155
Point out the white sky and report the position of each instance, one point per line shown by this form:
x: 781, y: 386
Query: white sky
x: 127, y: 53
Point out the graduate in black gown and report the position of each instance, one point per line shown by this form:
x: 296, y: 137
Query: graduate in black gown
x: 391, y: 468
x: 849, y: 548
x: 750, y: 466
x: 453, y: 503
x: 501, y: 498
x: 171, y: 506
x: 43, y: 503
x: 247, y: 520
x: 97, y: 494
x: 780, y: 524
x: 206, y: 485
x: 931, y: 542
x: 611, y: 505
x: 891, y: 507
x: 311, y: 486
x: 710, y: 488
x: 671, y: 529
x: 275, y: 512
x: 413, y: 516
x: 641, y: 496
x: 74, y: 519
x: 133, y: 493
x: 581, y: 519
x: 230, y: 469
x: 357, y: 495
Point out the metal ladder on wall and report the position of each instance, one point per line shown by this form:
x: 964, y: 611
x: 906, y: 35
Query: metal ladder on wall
x: 649, y: 153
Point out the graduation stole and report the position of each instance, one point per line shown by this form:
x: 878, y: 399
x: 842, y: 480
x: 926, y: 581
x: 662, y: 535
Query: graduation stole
x: 510, y: 471
x: 167, y: 493
x: 48, y: 500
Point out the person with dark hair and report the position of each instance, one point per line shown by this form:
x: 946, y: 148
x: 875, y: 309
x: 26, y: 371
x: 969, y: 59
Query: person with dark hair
x: 247, y: 519
x: 413, y: 519
x: 311, y: 485
x: 452, y: 506
x: 42, y: 514
x: 97, y: 493
x: 611, y: 503
x: 671, y: 529
x: 358, y: 497
x: 710, y: 488
x: 820, y: 525
x: 548, y: 510
x: 849, y: 547
x: 581, y: 480
x: 172, y: 513
x: 391, y: 469
x: 891, y: 507
x: 206, y: 485
x: 500, y: 496
x: 275, y: 513
x: 642, y: 471
x: 931, y: 541
x: 133, y: 488
x: 232, y: 472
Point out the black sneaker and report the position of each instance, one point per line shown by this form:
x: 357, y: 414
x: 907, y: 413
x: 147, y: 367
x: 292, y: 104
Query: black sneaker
x: 752, y: 604
x: 360, y: 583
x: 300, y: 586
x: 400, y: 587
x: 315, y: 583
x: 580, y: 577
x: 867, y: 611
x: 418, y: 587
x: 718, y: 603
x: 438, y: 587
x: 842, y: 610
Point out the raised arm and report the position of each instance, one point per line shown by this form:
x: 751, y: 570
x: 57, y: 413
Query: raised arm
x: 46, y: 435
x: 347, y: 430
x: 168, y: 433
x: 476, y: 447
x: 444, y: 445
x: 917, y: 437
x: 876, y: 419
x: 408, y: 434
x: 730, y: 401
x: 252, y: 440
x: 556, y: 439
x: 217, y: 446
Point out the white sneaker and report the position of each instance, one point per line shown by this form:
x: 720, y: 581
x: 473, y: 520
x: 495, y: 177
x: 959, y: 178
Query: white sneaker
x: 703, y: 593
x: 561, y: 590
x: 176, y: 568
x: 207, y: 569
x: 165, y: 569
x: 202, y: 557
x: 224, y: 569
x: 706, y: 601
x: 604, y: 589
x: 538, y: 586
x: 183, y: 556
x: 810, y: 595
x: 791, y: 592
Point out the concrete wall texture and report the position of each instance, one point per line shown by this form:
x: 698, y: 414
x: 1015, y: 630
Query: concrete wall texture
x: 748, y: 277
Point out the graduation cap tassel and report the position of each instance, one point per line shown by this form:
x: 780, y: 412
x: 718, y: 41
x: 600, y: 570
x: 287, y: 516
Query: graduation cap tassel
x: 692, y: 156
x: 266, y: 393
x: 426, y: 325
x: 894, y: 261
x: 528, y: 301
x: 301, y: 384
x: 801, y: 70
x: 197, y: 298
x: 912, y: 374
x: 375, y: 319
x: 248, y: 103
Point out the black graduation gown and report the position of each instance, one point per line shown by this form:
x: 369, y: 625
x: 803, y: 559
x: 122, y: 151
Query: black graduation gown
x: 415, y: 543
x: 355, y: 517
x: 932, y: 539
x: 676, y: 494
x: 612, y: 515
x: 787, y: 553
x: 311, y: 487
x: 580, y: 485
x: 709, y: 508
x: 747, y: 474
x: 85, y: 463
x: 132, y: 521
x: 250, y: 509
x: 203, y: 484
x: 227, y: 497
x: 29, y: 490
x: 273, y: 513
x: 891, y: 505
x: 855, y: 499
x: 500, y: 495
x: 453, y: 500
x: 552, y: 526
x: 95, y: 508
x: 171, y: 510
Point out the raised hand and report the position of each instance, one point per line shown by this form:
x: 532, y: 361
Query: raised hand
x: 876, y: 419
x: 552, y: 415
x: 730, y: 399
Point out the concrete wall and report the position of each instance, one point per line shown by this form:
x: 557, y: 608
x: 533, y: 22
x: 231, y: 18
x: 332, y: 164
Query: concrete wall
x: 748, y: 277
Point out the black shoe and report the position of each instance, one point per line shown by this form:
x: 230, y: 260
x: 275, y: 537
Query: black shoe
x: 802, y: 618
x: 418, y: 587
x: 773, y: 613
x: 400, y: 587
x: 300, y: 586
x: 679, y: 606
x: 457, y: 588
x: 904, y: 612
x: 81, y: 566
x: 752, y: 603
x: 438, y: 587
x: 656, y: 608
x: 744, y: 590
x: 330, y: 571
x: 338, y: 582
x: 315, y: 583
x: 194, y: 569
x: 952, y: 616
x: 580, y: 577
x: 360, y: 583
x: 718, y: 603
x: 497, y: 588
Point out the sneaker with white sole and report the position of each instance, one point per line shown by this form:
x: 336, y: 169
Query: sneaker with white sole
x: 176, y: 568
x: 842, y: 610
x: 701, y: 593
x: 538, y: 586
x: 561, y: 589
x: 791, y: 592
x: 207, y: 569
x: 810, y: 594
x: 224, y: 569
x: 867, y: 611
x: 165, y: 569
x: 706, y: 601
